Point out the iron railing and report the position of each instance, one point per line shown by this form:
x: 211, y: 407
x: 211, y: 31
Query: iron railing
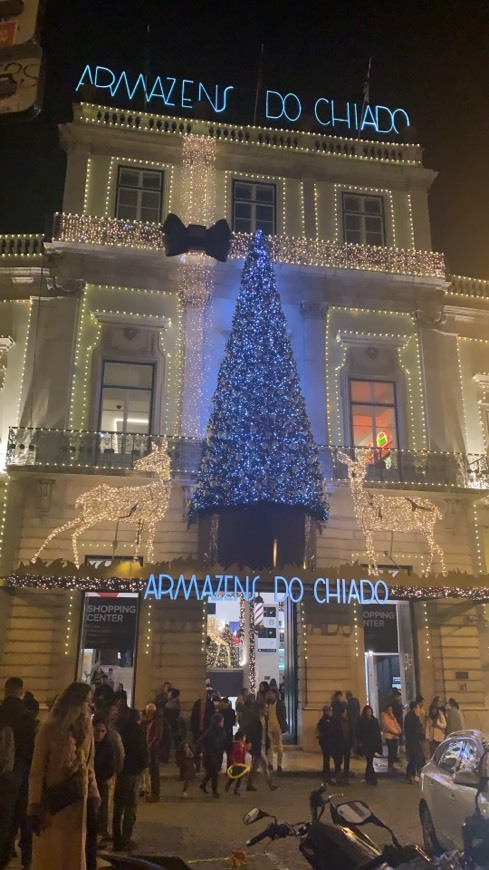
x: 62, y: 449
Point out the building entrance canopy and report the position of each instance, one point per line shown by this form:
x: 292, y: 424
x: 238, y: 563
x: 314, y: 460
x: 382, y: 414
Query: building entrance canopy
x: 189, y: 579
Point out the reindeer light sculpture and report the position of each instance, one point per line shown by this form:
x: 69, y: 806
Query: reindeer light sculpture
x: 216, y: 634
x: 376, y: 512
x: 140, y: 505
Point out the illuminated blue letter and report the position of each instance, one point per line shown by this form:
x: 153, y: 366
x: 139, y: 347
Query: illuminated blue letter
x: 353, y: 593
x: 182, y: 584
x: 371, y: 589
x: 394, y: 113
x: 301, y: 590
x: 278, y: 578
x: 204, y: 92
x: 316, y: 590
x: 86, y: 71
x: 130, y: 93
x: 335, y: 120
x: 316, y: 106
x: 390, y: 119
x: 99, y: 84
x: 151, y: 587
x: 385, y: 589
x: 169, y: 589
x: 186, y: 101
x: 371, y: 123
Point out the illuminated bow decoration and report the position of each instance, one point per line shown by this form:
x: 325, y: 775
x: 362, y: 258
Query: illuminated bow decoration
x: 179, y: 239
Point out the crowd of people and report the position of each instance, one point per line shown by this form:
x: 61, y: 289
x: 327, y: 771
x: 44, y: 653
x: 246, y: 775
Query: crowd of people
x: 344, y: 730
x: 72, y: 783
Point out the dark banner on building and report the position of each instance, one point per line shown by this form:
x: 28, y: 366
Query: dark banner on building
x: 380, y: 628
x: 110, y: 622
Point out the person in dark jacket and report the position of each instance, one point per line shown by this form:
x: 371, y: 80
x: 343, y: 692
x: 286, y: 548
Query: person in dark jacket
x: 104, y: 766
x: 353, y: 709
x: 369, y: 741
x: 277, y: 725
x: 229, y: 717
x: 341, y: 743
x: 414, y: 734
x: 337, y: 703
x: 257, y: 736
x: 248, y: 713
x: 323, y: 734
x: 126, y: 791
x: 13, y: 785
x: 200, y: 719
x: 171, y: 715
x: 103, y: 693
x: 211, y: 744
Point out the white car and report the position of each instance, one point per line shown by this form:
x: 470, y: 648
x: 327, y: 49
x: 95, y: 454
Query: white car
x: 449, y: 784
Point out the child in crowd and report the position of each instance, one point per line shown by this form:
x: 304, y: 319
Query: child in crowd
x: 237, y: 756
x: 186, y: 763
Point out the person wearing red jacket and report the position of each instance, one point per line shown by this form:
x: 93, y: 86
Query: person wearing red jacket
x: 237, y: 756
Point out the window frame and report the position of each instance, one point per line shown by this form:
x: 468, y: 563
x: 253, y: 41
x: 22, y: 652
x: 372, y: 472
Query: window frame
x: 152, y: 365
x: 372, y: 404
x: 118, y: 187
x: 253, y: 183
x: 438, y: 762
x: 363, y: 214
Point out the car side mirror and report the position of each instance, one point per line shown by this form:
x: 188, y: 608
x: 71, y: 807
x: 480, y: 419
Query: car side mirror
x: 467, y: 777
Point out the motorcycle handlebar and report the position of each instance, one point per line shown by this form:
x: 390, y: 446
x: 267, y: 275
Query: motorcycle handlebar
x: 254, y: 840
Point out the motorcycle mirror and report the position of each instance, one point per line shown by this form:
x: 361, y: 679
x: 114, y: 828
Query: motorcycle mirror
x: 355, y: 812
x: 253, y: 816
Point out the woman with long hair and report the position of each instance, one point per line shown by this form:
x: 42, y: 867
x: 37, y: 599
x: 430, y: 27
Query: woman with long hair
x: 436, y: 724
x: 369, y: 741
x: 62, y: 782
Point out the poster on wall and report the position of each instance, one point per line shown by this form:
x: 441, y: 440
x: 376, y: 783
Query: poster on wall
x: 110, y: 621
x: 266, y: 631
x: 380, y: 628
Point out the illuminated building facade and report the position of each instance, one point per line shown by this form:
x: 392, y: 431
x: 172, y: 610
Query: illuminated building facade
x: 106, y: 344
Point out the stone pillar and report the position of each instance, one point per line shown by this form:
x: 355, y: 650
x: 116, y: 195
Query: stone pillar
x: 75, y: 180
x: 6, y: 342
x: 315, y: 366
x: 197, y: 274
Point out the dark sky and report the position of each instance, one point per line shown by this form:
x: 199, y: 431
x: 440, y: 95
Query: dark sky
x: 429, y: 57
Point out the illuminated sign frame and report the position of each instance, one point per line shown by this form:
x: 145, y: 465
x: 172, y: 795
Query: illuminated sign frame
x: 168, y: 92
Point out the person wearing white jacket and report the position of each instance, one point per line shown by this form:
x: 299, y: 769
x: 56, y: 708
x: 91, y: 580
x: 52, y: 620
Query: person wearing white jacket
x: 436, y: 724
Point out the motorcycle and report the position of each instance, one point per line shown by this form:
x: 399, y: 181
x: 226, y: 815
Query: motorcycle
x: 343, y: 845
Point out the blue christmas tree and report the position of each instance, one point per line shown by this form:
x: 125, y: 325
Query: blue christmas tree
x: 259, y: 447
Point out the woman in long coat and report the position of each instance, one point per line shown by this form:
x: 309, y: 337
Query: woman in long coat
x: 63, y: 749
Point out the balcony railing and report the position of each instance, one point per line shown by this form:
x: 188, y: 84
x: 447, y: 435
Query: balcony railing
x: 21, y: 245
x: 70, y: 450
x: 295, y: 140
x: 300, y: 251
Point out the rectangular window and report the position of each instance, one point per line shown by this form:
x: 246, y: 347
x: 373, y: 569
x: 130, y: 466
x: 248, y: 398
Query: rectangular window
x: 373, y: 414
x: 254, y: 207
x: 127, y: 397
x: 363, y: 219
x: 139, y: 194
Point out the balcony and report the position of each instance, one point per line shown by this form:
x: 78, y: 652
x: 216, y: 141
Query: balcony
x: 115, y: 453
x: 21, y: 245
x: 301, y: 251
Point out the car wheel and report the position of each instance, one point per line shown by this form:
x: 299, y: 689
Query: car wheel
x: 430, y: 839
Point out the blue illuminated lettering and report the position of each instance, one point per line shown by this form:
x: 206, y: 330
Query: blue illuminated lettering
x: 207, y: 590
x: 336, y: 120
x: 276, y: 591
x: 140, y: 82
x: 151, y: 588
x: 100, y: 84
x: 242, y: 590
x: 283, y: 111
x: 300, y: 594
x: 368, y: 119
x: 186, y: 101
x: 316, y: 115
x: 390, y: 120
x: 215, y: 105
x: 86, y: 72
x: 406, y: 116
x: 187, y: 589
x: 353, y: 594
x: 161, y: 92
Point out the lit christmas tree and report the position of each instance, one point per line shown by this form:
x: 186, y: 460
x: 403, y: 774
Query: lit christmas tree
x: 259, y: 447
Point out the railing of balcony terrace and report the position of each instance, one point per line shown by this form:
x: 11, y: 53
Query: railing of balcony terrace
x: 302, y: 251
x: 21, y: 245
x: 65, y: 449
x: 116, y: 451
x: 477, y: 287
x: 148, y: 122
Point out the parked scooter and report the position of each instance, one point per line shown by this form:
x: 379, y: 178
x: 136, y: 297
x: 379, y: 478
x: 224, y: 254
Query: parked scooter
x: 343, y: 845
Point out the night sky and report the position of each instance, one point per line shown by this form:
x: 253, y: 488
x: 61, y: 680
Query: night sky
x: 429, y: 57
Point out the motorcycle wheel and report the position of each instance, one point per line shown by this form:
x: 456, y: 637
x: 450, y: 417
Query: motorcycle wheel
x: 430, y: 839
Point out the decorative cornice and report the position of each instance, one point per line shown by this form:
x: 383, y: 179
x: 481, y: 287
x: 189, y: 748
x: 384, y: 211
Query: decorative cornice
x: 361, y: 339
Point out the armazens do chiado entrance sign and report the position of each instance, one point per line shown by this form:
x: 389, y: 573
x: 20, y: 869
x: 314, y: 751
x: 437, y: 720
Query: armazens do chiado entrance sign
x: 231, y: 587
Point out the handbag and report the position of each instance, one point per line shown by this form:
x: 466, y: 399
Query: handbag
x: 63, y: 795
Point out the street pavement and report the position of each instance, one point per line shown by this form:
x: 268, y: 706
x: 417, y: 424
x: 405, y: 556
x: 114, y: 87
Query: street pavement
x: 205, y: 832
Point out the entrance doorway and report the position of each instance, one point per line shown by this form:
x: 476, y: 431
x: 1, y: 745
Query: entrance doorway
x: 233, y: 655
x: 389, y: 658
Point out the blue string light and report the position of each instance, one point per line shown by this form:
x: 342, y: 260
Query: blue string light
x: 259, y: 446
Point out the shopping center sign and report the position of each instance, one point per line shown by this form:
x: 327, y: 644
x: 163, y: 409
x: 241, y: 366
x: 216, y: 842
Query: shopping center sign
x: 230, y: 587
x: 161, y: 93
